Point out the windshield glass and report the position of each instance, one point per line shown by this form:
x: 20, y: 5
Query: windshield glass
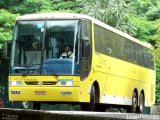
x: 46, y: 47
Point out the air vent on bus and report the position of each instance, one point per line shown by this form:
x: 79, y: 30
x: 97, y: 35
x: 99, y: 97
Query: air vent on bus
x: 49, y: 82
x: 31, y: 82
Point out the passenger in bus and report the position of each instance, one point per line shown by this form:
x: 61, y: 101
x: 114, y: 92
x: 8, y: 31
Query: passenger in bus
x: 67, y: 53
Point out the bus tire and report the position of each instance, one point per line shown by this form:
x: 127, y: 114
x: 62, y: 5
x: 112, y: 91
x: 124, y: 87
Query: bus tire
x: 134, y: 106
x: 36, y: 105
x: 91, y: 105
x: 141, y: 103
x: 92, y: 99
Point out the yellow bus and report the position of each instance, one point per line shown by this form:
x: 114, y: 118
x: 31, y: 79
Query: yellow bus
x: 107, y: 67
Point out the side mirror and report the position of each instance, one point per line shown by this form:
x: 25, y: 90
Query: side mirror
x: 6, y: 50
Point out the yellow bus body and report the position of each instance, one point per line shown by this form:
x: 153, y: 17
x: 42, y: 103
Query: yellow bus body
x: 117, y: 79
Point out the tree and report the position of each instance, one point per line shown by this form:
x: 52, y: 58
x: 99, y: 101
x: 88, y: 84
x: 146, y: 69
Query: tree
x: 67, y: 6
x: 158, y: 84
x: 112, y: 12
x: 30, y: 6
x: 36, y: 6
x: 145, y: 27
x: 7, y: 21
x: 154, y: 12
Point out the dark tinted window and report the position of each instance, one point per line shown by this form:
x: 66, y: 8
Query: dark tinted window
x: 109, y: 43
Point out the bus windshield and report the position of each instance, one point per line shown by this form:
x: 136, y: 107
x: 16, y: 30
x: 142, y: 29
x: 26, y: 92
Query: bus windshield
x: 46, y: 47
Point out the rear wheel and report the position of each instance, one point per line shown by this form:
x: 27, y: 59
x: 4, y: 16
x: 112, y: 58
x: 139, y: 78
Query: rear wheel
x: 141, y: 103
x: 133, y: 108
x: 36, y: 105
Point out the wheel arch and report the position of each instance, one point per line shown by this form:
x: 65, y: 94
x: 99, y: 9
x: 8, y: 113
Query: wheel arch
x: 136, y: 91
x: 142, y: 91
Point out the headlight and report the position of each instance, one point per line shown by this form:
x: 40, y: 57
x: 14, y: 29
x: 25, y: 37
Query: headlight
x: 16, y: 83
x: 65, y: 83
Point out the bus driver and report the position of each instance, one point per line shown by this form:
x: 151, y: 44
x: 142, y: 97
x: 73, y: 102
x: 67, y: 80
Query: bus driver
x: 67, y: 53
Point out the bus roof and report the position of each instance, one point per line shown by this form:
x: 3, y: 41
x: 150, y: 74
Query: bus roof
x: 57, y: 15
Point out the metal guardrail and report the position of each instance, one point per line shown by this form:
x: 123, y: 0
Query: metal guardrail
x: 21, y: 114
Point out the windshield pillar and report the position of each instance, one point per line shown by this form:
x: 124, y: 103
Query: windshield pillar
x: 43, y: 48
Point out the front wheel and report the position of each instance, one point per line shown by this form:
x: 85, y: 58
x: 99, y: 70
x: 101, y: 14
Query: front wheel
x: 90, y: 106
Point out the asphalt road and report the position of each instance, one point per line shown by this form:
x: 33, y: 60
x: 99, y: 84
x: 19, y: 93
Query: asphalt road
x: 24, y: 114
x: 113, y: 115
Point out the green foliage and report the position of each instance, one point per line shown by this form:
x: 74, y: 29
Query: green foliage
x: 157, y: 44
x: 158, y: 83
x: 6, y: 3
x: 112, y: 12
x: 7, y: 21
x: 144, y: 18
x: 154, y: 12
x: 66, y: 6
x: 144, y: 28
x: 158, y: 92
x: 30, y: 6
x: 141, y: 6
x: 34, y: 6
x: 157, y: 59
